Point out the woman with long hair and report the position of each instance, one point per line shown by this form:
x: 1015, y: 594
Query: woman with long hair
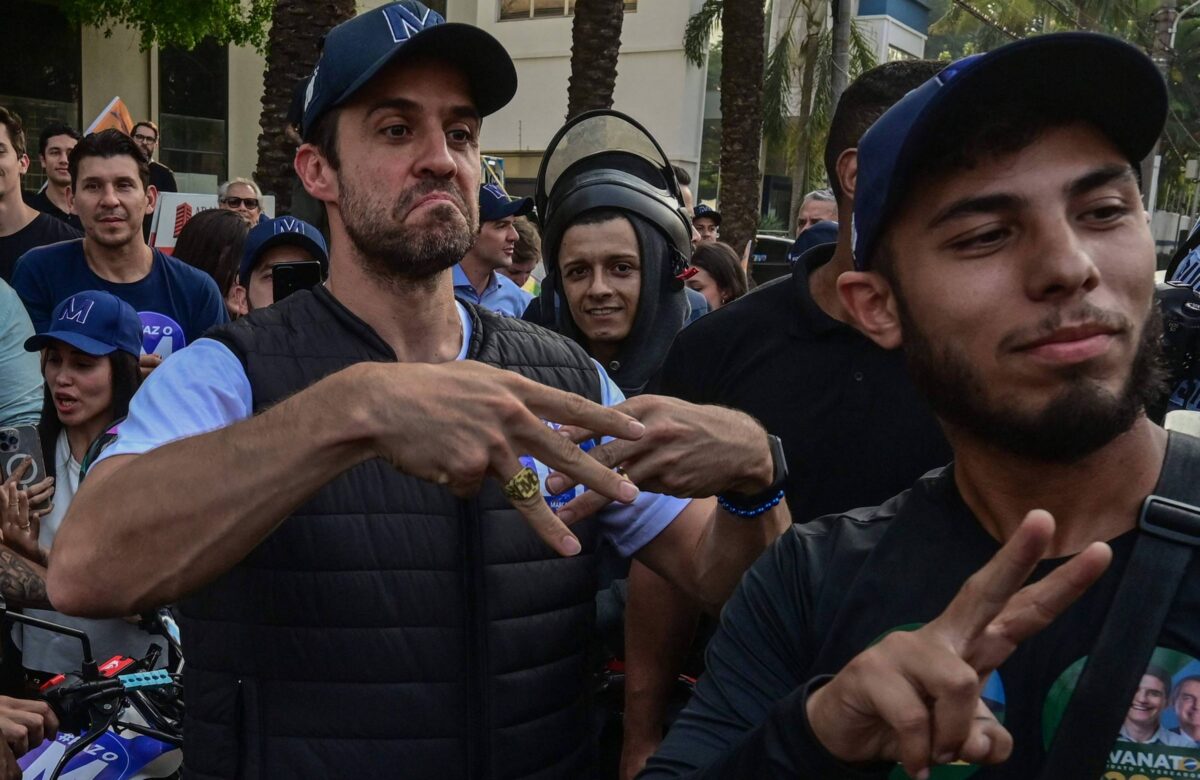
x: 90, y: 365
x: 212, y: 241
x: 719, y: 276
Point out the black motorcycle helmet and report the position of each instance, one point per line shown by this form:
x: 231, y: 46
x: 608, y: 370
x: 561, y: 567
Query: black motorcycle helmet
x: 604, y: 160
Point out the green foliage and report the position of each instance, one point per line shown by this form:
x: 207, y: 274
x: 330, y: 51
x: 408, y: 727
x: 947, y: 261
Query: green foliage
x: 813, y: 131
x: 772, y: 223
x: 967, y: 26
x: 784, y: 60
x: 182, y: 23
x: 699, y: 31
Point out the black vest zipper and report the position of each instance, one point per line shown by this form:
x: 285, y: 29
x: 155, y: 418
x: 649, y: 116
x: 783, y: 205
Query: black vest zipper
x: 478, y: 700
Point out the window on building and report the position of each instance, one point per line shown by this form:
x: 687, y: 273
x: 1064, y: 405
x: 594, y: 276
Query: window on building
x: 40, y: 73
x: 540, y: 9
x: 895, y: 54
x: 194, y: 113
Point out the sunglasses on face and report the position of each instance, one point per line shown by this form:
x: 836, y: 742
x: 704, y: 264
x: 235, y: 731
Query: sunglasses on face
x: 237, y: 203
x: 146, y: 139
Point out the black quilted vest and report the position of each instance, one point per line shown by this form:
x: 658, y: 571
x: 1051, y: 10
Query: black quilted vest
x: 388, y: 629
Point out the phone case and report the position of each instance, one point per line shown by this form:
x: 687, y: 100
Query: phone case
x: 17, y: 444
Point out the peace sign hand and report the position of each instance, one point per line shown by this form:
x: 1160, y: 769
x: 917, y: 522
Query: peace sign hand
x: 914, y: 697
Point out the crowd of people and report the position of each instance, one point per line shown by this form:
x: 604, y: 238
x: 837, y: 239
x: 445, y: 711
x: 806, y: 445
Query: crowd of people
x: 416, y: 474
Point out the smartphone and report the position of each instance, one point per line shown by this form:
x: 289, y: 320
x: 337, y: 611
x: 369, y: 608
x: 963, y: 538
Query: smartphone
x: 17, y: 444
x: 288, y: 278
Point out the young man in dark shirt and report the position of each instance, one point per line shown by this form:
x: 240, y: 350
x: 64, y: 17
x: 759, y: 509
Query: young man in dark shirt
x: 109, y: 190
x: 22, y: 227
x: 145, y: 135
x: 852, y: 425
x: 54, y: 150
x: 1000, y: 237
x: 162, y: 178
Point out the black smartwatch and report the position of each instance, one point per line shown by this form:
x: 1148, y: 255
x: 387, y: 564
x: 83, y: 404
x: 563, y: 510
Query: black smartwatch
x: 754, y: 505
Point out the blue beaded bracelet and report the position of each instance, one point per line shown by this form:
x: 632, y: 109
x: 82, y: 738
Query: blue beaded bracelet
x: 750, y: 513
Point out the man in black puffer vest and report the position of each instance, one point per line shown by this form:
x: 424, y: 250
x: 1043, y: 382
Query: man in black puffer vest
x: 346, y: 490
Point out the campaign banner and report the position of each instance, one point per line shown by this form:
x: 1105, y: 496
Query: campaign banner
x: 111, y: 757
x: 115, y: 115
x: 174, y: 209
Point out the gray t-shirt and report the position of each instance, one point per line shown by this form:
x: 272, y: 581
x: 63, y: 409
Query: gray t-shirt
x: 21, y: 390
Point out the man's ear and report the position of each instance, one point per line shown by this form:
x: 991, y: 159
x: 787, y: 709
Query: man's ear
x: 847, y: 171
x: 316, y: 174
x: 151, y: 198
x: 236, y: 298
x: 23, y: 164
x: 871, y: 302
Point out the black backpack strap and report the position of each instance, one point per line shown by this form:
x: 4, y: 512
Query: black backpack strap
x: 1170, y: 532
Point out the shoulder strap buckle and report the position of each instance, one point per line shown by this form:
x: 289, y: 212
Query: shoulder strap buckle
x: 1171, y: 520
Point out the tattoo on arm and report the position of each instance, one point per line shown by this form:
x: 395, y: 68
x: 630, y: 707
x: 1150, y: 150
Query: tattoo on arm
x: 23, y: 584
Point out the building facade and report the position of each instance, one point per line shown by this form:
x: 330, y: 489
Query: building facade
x: 207, y: 101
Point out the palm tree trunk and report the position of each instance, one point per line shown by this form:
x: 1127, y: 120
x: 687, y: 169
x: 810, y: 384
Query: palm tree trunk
x: 595, y: 43
x: 297, y: 27
x: 840, y: 74
x: 809, y: 51
x: 743, y: 23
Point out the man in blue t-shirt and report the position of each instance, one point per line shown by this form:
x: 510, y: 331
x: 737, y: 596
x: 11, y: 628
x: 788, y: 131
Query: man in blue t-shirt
x: 110, y: 192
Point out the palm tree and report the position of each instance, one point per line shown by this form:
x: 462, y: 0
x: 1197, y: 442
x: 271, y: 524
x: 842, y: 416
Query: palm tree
x: 823, y: 72
x: 297, y: 27
x: 595, y: 43
x: 744, y: 29
x: 799, y: 119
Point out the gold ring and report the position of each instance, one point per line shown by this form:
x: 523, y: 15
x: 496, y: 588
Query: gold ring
x: 523, y: 486
x: 23, y: 527
x: 622, y: 474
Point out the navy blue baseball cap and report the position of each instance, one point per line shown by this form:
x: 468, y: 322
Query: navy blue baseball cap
x: 358, y: 48
x: 705, y: 211
x: 1095, y: 78
x: 281, y: 231
x: 494, y: 204
x: 823, y: 232
x: 95, y: 322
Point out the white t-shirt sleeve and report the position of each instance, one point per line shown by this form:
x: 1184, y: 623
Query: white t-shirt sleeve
x: 196, y: 390
x: 630, y: 527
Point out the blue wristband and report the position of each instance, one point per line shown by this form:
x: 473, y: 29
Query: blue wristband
x: 753, y: 511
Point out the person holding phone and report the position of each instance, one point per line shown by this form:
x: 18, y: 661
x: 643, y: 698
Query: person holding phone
x: 285, y: 241
x: 89, y: 357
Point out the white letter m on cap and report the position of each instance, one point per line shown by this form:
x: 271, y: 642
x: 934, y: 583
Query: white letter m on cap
x: 77, y: 313
x: 403, y: 23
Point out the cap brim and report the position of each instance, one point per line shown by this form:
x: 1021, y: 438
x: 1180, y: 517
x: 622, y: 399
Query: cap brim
x: 514, y: 208
x: 77, y: 340
x: 283, y: 239
x: 489, y: 69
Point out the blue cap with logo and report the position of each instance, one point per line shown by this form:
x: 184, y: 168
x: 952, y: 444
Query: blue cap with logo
x: 1086, y: 76
x: 709, y: 213
x: 358, y: 48
x: 96, y: 322
x: 281, y: 231
x: 494, y: 204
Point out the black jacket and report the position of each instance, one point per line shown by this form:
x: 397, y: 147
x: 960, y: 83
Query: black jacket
x: 388, y: 628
